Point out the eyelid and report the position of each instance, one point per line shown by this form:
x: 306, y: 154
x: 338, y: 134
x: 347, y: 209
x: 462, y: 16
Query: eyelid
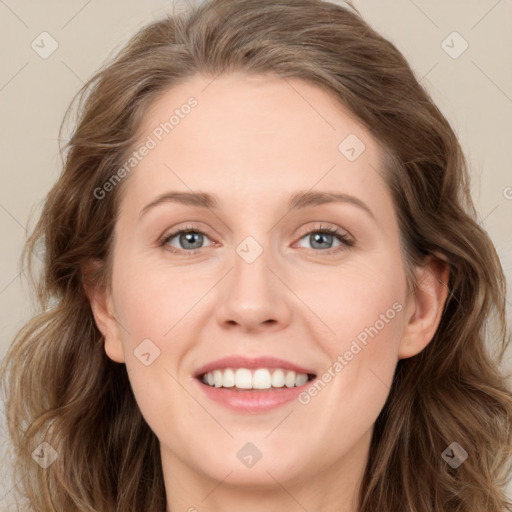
x: 328, y: 228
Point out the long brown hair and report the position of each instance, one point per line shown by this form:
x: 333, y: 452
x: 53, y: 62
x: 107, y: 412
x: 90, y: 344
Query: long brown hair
x: 59, y: 385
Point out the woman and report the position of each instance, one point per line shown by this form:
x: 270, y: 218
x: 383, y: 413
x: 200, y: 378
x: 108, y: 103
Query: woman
x: 259, y: 367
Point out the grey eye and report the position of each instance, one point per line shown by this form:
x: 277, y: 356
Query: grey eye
x: 187, y: 240
x: 320, y: 240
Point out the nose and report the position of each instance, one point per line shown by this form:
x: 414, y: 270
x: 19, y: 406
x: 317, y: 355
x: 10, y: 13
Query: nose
x: 254, y: 297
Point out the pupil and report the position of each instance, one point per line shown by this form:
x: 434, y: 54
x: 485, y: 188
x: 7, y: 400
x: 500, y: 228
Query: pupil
x: 189, y: 238
x: 319, y: 238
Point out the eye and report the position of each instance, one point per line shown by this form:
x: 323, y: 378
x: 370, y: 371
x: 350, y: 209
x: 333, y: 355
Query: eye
x: 323, y: 237
x: 189, y: 239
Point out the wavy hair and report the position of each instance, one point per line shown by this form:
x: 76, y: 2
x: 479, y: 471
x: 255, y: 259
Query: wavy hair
x: 60, y: 386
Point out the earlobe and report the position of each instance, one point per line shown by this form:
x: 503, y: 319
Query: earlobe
x: 101, y: 307
x: 425, y: 306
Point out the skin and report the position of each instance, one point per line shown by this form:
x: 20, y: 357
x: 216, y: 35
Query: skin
x: 252, y: 141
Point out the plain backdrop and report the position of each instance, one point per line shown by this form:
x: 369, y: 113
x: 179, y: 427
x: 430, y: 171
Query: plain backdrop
x: 460, y: 50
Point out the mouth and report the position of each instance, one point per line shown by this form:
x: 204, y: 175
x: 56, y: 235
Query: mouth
x: 254, y: 380
x: 251, y: 386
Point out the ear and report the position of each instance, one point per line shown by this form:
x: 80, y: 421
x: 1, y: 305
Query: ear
x: 102, y: 309
x: 425, y: 305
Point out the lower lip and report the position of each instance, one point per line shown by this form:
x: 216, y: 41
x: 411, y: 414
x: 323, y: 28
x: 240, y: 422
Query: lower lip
x: 252, y: 400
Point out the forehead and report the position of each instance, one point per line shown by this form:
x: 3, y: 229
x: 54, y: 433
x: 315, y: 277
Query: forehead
x: 259, y: 136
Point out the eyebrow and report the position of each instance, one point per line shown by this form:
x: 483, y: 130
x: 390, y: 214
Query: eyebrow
x: 298, y: 200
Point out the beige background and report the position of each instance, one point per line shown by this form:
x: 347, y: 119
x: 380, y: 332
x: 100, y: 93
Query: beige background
x: 474, y: 91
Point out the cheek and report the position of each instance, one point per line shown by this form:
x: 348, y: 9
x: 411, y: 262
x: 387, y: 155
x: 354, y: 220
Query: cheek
x: 156, y: 297
x: 361, y: 299
x: 152, y: 305
x: 155, y: 306
x: 370, y: 314
x: 352, y: 390
x: 362, y: 305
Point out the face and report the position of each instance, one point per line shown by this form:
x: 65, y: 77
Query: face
x: 268, y: 268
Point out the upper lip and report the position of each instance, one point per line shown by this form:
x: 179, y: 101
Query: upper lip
x: 239, y: 361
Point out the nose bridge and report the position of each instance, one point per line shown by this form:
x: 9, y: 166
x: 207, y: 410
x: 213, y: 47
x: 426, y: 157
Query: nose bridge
x: 253, y: 296
x: 251, y: 262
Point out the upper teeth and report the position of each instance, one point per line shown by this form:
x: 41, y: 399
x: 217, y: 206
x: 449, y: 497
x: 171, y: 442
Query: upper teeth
x: 262, y: 378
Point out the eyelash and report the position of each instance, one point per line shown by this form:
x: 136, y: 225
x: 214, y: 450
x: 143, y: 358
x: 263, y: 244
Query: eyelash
x: 345, y: 240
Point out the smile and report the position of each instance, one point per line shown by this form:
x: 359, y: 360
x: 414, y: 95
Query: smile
x: 261, y: 378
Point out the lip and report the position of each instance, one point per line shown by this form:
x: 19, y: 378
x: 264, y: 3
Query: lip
x: 252, y: 401
x: 239, y: 361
